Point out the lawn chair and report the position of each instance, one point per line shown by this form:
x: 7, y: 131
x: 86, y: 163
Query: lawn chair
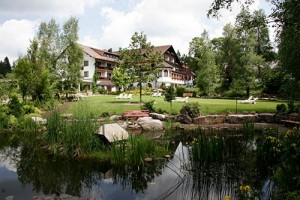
x: 250, y: 100
x: 120, y: 96
x: 181, y: 99
x: 128, y: 96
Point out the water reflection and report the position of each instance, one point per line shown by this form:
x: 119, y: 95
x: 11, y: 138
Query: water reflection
x: 176, y: 178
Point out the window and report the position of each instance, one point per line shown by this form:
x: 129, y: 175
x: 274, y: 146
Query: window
x: 86, y: 73
x: 159, y: 74
x: 166, y: 74
x: 108, y: 65
x: 99, y: 74
x: 108, y: 75
x: 86, y: 63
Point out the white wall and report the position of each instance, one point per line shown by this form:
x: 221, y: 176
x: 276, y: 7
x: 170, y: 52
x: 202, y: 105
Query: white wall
x: 90, y: 68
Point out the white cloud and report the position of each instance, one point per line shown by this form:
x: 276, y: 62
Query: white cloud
x: 39, y: 7
x: 15, y: 37
x: 173, y: 22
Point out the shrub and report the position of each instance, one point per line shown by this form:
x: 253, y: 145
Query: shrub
x: 281, y: 108
x: 30, y: 109
x: 180, y: 90
x: 149, y: 105
x: 193, y: 109
x: 101, y: 90
x: 292, y: 107
x: 15, y: 107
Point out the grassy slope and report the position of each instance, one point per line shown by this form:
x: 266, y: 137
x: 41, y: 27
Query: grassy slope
x: 107, y: 103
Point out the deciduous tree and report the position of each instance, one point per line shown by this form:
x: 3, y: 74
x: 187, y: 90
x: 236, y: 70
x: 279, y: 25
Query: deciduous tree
x: 140, y: 61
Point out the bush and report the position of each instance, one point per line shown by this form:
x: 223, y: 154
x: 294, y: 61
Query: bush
x: 149, y: 105
x: 101, y: 90
x: 281, y: 108
x: 193, y: 109
x: 195, y: 91
x: 292, y: 107
x: 180, y: 90
x: 30, y: 109
x: 15, y: 107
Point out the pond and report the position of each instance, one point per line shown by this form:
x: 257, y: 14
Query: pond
x: 27, y: 173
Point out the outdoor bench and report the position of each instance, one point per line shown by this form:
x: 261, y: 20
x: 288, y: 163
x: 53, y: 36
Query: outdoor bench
x: 135, y: 113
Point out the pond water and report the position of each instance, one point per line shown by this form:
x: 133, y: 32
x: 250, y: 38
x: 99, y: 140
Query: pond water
x: 26, y: 173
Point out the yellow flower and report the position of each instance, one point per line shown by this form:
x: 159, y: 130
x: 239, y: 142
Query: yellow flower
x: 241, y: 188
x: 227, y: 198
x: 247, y: 188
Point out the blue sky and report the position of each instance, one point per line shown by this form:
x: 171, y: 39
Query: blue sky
x: 108, y: 24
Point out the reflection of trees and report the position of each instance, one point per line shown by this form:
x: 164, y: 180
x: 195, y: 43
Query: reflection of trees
x: 49, y: 174
x: 210, y: 178
x: 137, y: 177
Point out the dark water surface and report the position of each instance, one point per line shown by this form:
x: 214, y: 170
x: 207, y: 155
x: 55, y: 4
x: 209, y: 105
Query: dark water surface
x: 25, y: 173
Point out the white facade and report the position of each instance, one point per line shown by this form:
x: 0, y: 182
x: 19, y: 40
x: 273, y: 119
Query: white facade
x: 88, y: 70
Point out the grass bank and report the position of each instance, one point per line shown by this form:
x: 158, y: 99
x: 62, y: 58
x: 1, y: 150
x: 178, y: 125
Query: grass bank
x: 107, y: 103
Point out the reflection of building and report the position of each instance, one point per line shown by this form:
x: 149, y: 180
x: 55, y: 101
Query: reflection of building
x: 100, y: 62
x: 173, y: 70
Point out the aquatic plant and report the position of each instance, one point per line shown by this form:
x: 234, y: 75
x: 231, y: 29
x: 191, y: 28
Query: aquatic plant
x: 136, y: 149
x: 74, y: 135
x: 207, y: 148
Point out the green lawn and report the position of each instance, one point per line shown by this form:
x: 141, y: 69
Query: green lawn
x: 107, y: 103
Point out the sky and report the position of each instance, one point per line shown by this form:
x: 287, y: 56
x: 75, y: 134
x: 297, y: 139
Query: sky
x: 105, y: 24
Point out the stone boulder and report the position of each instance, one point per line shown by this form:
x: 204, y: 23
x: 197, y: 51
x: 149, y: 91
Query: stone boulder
x: 115, y: 117
x: 150, y: 124
x: 158, y: 116
x: 184, y: 117
x: 209, y: 119
x: 240, y: 119
x: 113, y: 132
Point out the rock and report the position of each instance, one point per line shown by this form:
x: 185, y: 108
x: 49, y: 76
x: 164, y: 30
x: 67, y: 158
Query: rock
x: 240, y: 119
x: 10, y: 198
x: 113, y: 132
x: 150, y: 124
x: 115, y: 117
x: 158, y: 116
x: 39, y: 120
x: 184, y: 117
x: 294, y: 116
x: 148, y: 159
x: 123, y: 124
x: 280, y: 116
x: 266, y: 117
x: 209, y: 119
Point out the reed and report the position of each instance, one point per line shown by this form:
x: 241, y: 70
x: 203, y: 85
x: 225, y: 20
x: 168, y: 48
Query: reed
x: 75, y: 135
x: 136, y: 149
x: 208, y: 149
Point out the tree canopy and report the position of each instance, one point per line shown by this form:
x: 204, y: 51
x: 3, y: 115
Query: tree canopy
x: 140, y: 61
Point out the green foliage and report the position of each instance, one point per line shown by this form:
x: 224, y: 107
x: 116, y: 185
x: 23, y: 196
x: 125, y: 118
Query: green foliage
x: 136, y: 149
x: 15, y: 107
x: 139, y: 60
x: 180, y: 90
x: 149, y: 105
x: 292, y: 107
x: 121, y: 78
x: 281, y: 151
x: 170, y: 93
x: 5, y: 67
x: 281, y: 108
x: 207, y: 149
x: 75, y: 136
x: 193, y: 109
